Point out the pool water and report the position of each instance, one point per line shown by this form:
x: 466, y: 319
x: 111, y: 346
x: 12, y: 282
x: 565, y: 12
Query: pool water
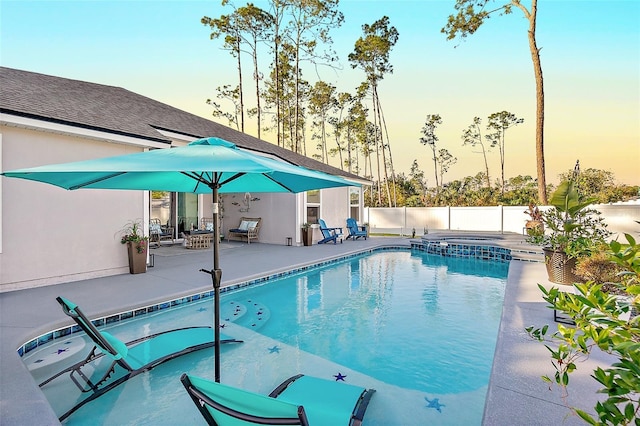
x: 413, y: 326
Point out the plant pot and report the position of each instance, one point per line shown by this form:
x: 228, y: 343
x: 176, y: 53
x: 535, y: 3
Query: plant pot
x: 307, y: 236
x: 534, y: 227
x: 137, y: 261
x: 560, y: 267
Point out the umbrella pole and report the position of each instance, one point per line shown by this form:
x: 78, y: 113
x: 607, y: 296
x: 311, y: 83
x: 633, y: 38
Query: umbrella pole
x: 217, y: 278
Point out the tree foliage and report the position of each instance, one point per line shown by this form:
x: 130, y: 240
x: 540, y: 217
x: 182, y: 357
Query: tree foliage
x: 469, y: 17
x: 348, y: 128
x: 472, y: 136
x: 371, y: 54
x: 498, y: 124
x: 430, y: 139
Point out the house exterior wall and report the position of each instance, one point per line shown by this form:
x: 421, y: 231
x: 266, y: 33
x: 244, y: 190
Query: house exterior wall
x: 334, y: 210
x: 51, y: 235
x: 283, y: 214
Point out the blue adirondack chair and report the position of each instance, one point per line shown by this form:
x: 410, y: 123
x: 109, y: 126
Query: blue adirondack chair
x: 329, y: 234
x: 354, y: 230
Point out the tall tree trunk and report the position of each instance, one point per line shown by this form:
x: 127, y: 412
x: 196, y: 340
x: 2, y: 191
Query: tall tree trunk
x: 376, y: 140
x: 486, y: 167
x: 393, y: 174
x: 240, y: 87
x: 256, y: 75
x: 349, y: 159
x: 484, y: 154
x: 502, y: 149
x: 435, y: 168
x: 297, y: 96
x: 537, y: 69
x: 384, y: 157
x: 276, y: 38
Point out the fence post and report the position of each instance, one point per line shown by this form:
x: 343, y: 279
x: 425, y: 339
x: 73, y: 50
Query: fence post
x: 404, y: 209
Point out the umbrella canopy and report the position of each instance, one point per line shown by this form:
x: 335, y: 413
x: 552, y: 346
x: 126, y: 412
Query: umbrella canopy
x: 195, y: 168
x: 209, y: 165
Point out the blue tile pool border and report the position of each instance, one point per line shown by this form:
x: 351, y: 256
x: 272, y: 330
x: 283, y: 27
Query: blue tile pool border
x: 465, y: 249
x: 484, y: 252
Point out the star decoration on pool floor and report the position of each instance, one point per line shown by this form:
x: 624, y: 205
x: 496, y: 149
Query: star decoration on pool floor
x: 339, y: 377
x: 203, y: 309
x: 62, y: 350
x: 274, y: 350
x: 434, y: 403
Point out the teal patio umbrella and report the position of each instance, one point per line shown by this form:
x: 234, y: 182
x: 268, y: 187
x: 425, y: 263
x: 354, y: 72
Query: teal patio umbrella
x: 209, y: 165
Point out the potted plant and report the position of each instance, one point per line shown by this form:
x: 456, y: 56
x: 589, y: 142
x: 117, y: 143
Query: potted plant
x: 574, y: 231
x: 307, y: 234
x: 535, y: 225
x: 137, y: 246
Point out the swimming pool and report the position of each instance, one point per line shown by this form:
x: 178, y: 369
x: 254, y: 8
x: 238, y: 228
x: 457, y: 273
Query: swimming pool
x: 411, y: 325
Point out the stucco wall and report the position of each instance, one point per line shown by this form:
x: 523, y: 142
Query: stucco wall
x: 51, y: 235
x: 278, y: 212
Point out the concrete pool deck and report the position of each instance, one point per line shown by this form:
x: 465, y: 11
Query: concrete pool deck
x: 516, y: 393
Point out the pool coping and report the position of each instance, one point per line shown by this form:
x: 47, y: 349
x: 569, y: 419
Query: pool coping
x: 515, y: 389
x: 63, y: 332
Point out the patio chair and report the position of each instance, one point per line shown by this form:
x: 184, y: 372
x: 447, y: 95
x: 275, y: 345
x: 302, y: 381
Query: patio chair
x: 329, y: 234
x: 133, y: 358
x: 354, y: 231
x: 248, y: 229
x: 299, y: 400
x: 158, y: 233
x: 206, y: 224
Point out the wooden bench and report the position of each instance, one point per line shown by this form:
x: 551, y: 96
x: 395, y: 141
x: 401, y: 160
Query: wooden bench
x: 248, y: 229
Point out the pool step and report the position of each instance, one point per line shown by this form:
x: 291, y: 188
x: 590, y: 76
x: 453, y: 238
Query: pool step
x: 528, y: 255
x: 520, y: 251
x: 247, y: 313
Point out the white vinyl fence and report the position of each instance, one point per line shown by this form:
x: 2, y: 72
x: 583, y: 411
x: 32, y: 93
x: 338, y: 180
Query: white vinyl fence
x: 620, y: 218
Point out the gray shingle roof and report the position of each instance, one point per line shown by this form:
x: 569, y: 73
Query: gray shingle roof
x: 116, y: 110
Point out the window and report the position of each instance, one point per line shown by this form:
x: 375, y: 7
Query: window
x: 313, y: 196
x: 313, y: 206
x: 354, y: 203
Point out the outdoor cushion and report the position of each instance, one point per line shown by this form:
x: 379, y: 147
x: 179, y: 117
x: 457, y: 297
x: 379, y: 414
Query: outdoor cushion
x: 244, y: 225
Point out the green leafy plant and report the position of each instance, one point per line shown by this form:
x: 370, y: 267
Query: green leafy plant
x: 603, y: 321
x: 132, y: 233
x: 599, y: 268
x: 306, y: 225
x: 573, y: 228
x: 534, y: 212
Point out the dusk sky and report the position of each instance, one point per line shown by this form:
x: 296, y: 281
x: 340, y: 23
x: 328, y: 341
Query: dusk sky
x: 590, y: 59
